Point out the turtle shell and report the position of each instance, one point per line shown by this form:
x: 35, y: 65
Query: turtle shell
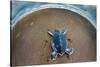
x: 59, y: 41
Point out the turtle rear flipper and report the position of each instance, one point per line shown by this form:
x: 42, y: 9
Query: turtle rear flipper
x: 53, y: 55
x: 69, y: 51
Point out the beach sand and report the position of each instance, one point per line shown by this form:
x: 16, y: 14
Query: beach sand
x: 30, y: 42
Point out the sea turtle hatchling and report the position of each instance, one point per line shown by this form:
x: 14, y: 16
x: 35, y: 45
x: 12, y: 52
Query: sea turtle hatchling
x: 59, y: 44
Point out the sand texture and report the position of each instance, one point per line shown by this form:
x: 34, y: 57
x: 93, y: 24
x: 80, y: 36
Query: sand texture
x: 30, y: 42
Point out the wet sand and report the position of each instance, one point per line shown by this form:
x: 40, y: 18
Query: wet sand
x: 30, y: 42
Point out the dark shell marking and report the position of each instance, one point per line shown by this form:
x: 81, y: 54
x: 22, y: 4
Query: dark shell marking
x: 59, y: 44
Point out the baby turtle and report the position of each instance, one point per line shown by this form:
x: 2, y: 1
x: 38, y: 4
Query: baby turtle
x: 59, y: 44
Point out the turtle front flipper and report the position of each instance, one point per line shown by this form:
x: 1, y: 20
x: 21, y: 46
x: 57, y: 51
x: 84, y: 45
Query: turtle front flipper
x: 69, y: 51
